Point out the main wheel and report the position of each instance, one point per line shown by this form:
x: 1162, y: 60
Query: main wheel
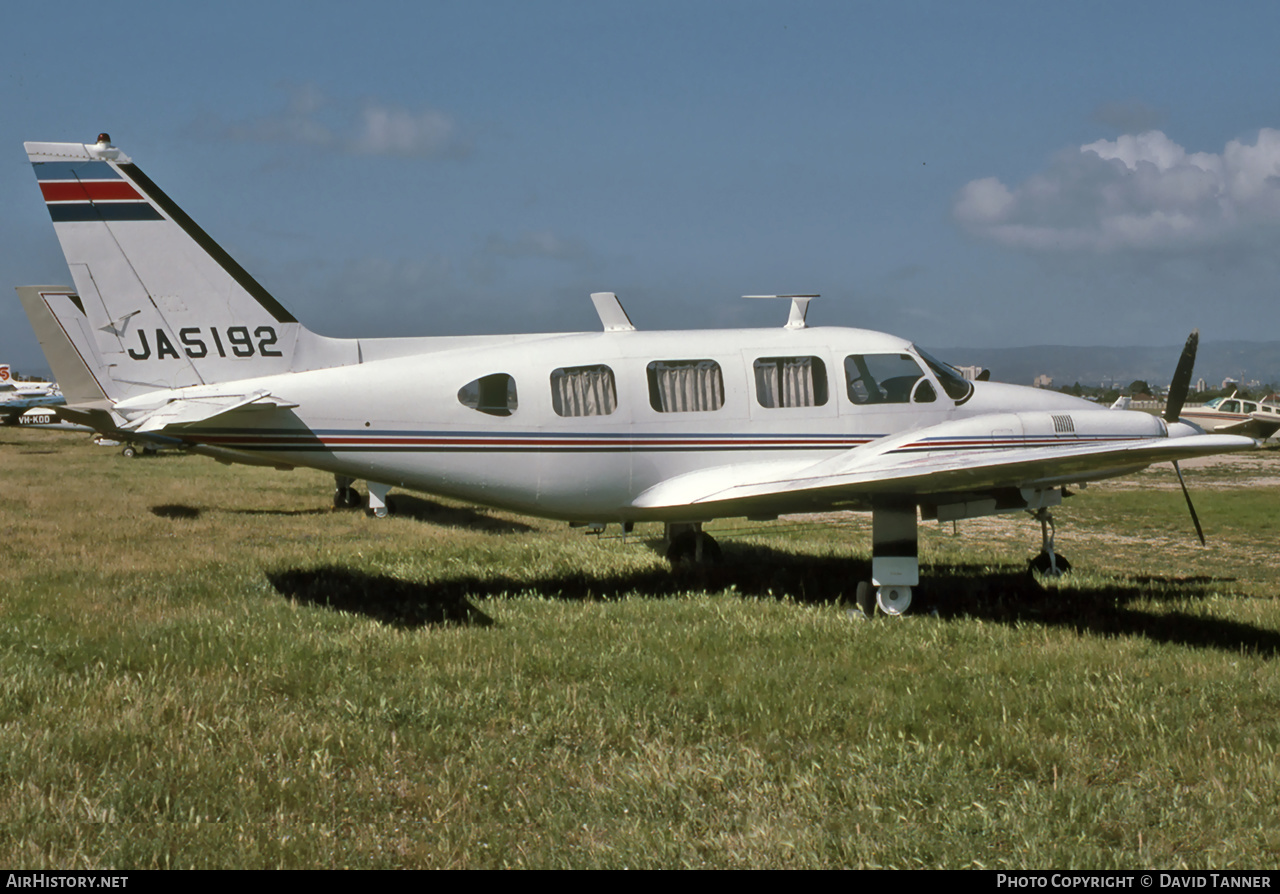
x: 893, y: 600
x: 129, y: 451
x: 1042, y: 565
x: 863, y: 597
x: 684, y: 548
x: 347, y: 498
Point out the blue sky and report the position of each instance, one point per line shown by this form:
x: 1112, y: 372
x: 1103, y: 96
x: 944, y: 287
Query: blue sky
x: 985, y: 174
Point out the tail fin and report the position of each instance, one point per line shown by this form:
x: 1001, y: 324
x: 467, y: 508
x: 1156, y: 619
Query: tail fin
x: 167, y: 306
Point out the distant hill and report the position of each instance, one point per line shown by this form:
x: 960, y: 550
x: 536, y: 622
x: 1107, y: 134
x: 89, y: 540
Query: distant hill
x: 1215, y: 361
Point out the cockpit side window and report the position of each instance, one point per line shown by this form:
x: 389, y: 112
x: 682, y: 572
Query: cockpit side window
x: 886, y: 379
x: 791, y: 382
x: 493, y: 394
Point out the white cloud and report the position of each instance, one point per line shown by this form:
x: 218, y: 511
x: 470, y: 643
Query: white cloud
x: 1138, y: 192
x: 385, y: 130
x: 984, y: 201
x: 310, y: 118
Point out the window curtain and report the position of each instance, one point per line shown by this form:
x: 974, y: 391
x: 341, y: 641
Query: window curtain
x: 688, y: 386
x: 583, y: 391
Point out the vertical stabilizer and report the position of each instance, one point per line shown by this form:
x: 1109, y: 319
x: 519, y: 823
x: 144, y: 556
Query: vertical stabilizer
x: 166, y: 305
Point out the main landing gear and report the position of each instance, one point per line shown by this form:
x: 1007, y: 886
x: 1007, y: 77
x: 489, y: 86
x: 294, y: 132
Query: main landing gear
x: 345, y: 496
x: 895, y: 559
x: 1048, y: 563
x: 687, y: 543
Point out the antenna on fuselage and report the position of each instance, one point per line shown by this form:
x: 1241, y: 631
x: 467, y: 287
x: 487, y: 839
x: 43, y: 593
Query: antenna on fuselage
x: 799, y: 307
x: 612, y: 317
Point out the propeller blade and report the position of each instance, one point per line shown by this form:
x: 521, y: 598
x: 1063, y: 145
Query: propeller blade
x: 1195, y: 519
x: 1182, y: 382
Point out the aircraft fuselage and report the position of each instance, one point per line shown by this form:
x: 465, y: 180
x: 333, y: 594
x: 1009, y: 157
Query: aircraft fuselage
x: 401, y: 421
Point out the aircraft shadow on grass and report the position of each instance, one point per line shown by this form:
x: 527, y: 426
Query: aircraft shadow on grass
x: 413, y: 508
x: 957, y: 591
x: 398, y: 603
x: 424, y: 510
x: 182, y: 511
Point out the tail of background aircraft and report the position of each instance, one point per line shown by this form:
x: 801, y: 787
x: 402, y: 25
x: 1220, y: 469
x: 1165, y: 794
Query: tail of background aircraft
x: 166, y: 306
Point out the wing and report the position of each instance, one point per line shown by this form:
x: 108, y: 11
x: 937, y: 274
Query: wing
x: 1019, y: 450
x: 1251, y: 427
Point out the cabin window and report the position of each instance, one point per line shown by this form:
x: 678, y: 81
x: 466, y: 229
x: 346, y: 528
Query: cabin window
x: 1229, y: 406
x: 493, y: 394
x: 886, y: 379
x: 791, y: 382
x: 583, y: 391
x: 685, y: 386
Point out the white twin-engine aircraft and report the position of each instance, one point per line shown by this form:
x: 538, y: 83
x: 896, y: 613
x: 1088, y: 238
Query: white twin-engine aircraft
x: 179, y: 345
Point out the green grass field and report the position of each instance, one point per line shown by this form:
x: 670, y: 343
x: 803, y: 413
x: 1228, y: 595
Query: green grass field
x: 205, y: 666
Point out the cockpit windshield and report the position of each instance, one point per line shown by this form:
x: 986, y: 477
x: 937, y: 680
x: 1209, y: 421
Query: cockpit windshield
x: 958, y: 388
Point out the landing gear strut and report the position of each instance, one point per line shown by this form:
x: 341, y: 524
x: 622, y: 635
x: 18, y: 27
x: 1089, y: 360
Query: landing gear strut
x: 344, y: 495
x: 895, y: 557
x: 687, y: 543
x: 378, y: 499
x: 1048, y: 563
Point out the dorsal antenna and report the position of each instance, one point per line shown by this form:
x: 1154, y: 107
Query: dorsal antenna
x: 799, y: 308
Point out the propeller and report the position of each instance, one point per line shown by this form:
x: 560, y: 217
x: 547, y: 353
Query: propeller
x: 1182, y: 378
x: 1178, y: 389
x: 1195, y: 519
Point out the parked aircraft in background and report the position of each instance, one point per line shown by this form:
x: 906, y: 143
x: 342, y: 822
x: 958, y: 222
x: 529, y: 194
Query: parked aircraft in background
x: 16, y: 397
x: 1258, y: 419
x: 618, y: 425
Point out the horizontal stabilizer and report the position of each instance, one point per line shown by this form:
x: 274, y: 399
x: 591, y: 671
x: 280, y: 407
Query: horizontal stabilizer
x: 189, y: 410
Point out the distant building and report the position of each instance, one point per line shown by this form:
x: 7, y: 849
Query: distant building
x: 1043, y: 381
x: 1200, y: 385
x: 970, y: 372
x: 1229, y: 382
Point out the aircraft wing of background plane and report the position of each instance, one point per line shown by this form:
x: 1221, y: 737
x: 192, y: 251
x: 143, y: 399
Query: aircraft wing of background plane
x: 1260, y: 429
